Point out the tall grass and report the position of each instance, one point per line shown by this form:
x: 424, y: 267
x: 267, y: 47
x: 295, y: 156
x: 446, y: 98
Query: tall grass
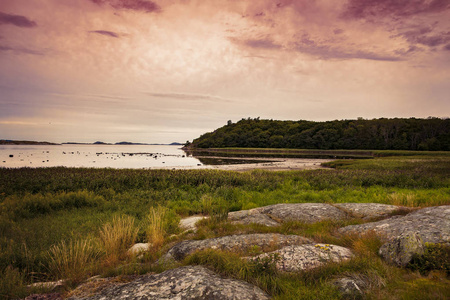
x: 117, y: 236
x: 155, y: 229
x: 73, y: 260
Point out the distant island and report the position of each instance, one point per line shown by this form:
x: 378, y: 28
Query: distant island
x: 16, y: 142
x: 13, y: 142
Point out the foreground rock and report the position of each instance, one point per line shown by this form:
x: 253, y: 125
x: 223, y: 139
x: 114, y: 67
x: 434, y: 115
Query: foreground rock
x: 402, y: 249
x: 236, y: 243
x: 369, y: 210
x: 191, y: 282
x: 431, y: 223
x: 304, y: 257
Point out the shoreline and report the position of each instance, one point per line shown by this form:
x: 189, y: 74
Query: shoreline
x: 274, y: 164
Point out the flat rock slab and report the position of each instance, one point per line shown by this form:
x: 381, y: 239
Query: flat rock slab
x: 304, y: 257
x: 237, y: 243
x: 368, y: 210
x: 431, y: 223
x: 274, y: 215
x: 191, y: 282
x: 251, y: 216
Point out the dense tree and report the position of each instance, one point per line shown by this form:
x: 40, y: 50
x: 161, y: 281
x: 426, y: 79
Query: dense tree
x: 376, y: 134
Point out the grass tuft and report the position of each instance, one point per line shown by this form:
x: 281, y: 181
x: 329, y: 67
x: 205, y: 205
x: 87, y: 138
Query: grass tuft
x: 116, y: 237
x: 73, y: 260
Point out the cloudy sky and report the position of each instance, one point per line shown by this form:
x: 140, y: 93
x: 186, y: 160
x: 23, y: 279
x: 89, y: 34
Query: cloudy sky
x: 169, y: 70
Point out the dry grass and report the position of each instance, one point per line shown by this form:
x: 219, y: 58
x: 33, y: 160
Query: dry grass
x: 155, y: 229
x: 116, y: 237
x: 73, y: 260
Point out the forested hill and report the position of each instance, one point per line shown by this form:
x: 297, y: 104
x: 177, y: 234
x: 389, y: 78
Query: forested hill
x: 375, y: 134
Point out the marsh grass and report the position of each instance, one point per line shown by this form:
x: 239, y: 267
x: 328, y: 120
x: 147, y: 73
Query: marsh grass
x: 73, y: 260
x: 117, y: 236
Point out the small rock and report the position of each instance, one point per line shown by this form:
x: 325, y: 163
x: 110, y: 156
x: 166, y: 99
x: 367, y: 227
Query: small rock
x: 350, y: 287
x: 139, y: 249
x: 401, y: 249
x: 304, y: 257
x: 50, y: 285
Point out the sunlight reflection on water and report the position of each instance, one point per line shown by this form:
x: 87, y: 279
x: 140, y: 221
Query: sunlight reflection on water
x: 96, y: 156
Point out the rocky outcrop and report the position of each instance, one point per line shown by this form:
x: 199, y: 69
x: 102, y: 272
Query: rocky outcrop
x: 274, y: 215
x: 432, y: 223
x: 236, y: 243
x: 304, y: 257
x: 190, y: 282
x: 369, y: 210
x: 402, y: 249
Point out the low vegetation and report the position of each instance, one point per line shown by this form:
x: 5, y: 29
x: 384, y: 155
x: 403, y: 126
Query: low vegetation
x: 63, y: 223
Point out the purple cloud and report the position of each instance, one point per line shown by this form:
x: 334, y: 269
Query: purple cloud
x: 105, y: 32
x: 20, y: 50
x: 262, y: 44
x: 358, y: 9
x: 16, y: 20
x: 447, y: 47
x: 421, y: 36
x: 139, y: 5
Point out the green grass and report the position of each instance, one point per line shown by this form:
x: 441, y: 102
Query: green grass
x: 40, y: 208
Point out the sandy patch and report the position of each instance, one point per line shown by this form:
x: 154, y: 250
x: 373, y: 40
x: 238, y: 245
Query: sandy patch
x: 271, y: 164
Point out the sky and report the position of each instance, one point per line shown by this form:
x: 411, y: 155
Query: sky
x: 165, y: 71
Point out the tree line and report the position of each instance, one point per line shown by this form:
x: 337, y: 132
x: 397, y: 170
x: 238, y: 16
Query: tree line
x: 431, y: 134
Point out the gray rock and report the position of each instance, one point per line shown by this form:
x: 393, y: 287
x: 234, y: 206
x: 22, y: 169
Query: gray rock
x: 139, y: 249
x: 236, y: 243
x: 304, y: 257
x: 251, y: 216
x: 351, y: 287
x: 432, y: 223
x: 304, y: 212
x: 368, y: 210
x: 401, y: 249
x: 191, y: 282
x: 274, y: 215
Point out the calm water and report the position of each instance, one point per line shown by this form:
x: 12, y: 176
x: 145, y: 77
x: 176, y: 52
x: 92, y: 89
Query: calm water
x: 96, y: 156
